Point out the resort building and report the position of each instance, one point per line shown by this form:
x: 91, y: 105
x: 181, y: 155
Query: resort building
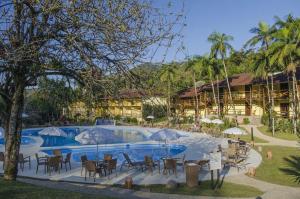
x: 249, y: 95
x: 128, y: 103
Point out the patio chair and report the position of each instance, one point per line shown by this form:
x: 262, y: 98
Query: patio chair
x: 181, y: 162
x: 130, y: 164
x: 67, y: 160
x: 170, y: 165
x: 110, y: 166
x: 107, y: 157
x: 2, y: 159
x: 23, y: 160
x: 57, y: 152
x: 90, y: 167
x: 40, y: 161
x: 53, y: 164
x: 150, y: 164
x: 83, y: 159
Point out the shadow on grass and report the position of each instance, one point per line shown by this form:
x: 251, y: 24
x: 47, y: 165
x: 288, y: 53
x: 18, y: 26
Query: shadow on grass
x: 293, y: 167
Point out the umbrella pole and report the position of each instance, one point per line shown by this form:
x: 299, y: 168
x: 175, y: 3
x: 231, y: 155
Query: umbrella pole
x: 97, y: 158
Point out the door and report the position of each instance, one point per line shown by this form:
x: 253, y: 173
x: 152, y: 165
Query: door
x: 284, y: 110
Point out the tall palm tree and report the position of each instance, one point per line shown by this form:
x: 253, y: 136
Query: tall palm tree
x: 220, y: 48
x: 285, y: 52
x: 167, y: 74
x: 193, y: 66
x: 210, y: 69
x: 263, y: 36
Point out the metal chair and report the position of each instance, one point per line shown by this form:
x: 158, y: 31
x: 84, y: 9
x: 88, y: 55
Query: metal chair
x: 83, y: 161
x: 40, y: 161
x: 67, y: 160
x: 23, y: 160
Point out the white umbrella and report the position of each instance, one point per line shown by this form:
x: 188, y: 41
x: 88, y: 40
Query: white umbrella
x: 150, y: 117
x: 205, y: 120
x: 24, y: 115
x: 165, y: 134
x: 234, y: 131
x: 1, y: 132
x: 97, y: 136
x: 53, y: 131
x: 217, y: 121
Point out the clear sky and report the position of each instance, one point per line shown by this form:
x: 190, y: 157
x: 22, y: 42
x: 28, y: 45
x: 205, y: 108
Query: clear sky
x: 234, y: 17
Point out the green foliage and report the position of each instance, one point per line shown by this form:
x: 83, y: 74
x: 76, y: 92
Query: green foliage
x: 47, y: 102
x: 283, y: 125
x: 246, y: 120
x: 265, y: 119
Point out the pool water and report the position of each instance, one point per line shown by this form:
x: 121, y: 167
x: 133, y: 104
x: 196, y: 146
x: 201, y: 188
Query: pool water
x: 24, y: 140
x: 135, y: 151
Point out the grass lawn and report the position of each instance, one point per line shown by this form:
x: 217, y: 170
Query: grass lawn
x: 270, y: 170
x: 280, y: 135
x: 18, y: 190
x: 204, y: 189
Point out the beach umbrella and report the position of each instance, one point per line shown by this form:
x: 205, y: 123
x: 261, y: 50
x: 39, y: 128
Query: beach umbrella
x: 217, y: 121
x: 53, y: 131
x: 97, y: 135
x: 24, y: 115
x: 234, y: 131
x: 165, y: 134
x: 206, y: 120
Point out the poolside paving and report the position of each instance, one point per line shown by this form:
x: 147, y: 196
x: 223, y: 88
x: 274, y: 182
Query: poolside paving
x: 198, y: 147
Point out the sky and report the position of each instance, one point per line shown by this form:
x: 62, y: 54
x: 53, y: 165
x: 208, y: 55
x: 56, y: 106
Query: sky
x: 234, y: 17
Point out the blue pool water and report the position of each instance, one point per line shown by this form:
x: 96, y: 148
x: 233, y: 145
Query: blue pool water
x: 24, y: 140
x: 135, y: 151
x: 119, y: 136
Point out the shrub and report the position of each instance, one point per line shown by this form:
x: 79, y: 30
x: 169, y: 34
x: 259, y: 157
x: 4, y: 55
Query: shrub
x: 246, y: 120
x: 265, y: 119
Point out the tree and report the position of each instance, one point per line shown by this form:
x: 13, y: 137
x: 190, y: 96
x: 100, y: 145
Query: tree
x: 262, y: 67
x: 41, y: 38
x: 167, y: 74
x: 220, y: 47
x: 285, y: 52
x: 194, y: 66
x: 210, y: 67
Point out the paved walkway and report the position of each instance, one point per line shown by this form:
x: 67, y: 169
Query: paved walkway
x: 272, y: 191
x: 271, y: 140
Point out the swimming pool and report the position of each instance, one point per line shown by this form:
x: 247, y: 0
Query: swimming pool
x: 113, y: 135
x: 135, y: 151
x: 24, y: 140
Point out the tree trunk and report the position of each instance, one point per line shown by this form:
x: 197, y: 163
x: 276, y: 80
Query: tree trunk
x: 272, y: 105
x: 196, y: 98
x: 269, y: 103
x: 13, y: 139
x: 295, y: 103
x: 169, y: 101
x: 215, y: 98
x: 218, y: 89
x: 229, y: 90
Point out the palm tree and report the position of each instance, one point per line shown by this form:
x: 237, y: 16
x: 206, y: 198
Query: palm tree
x: 263, y: 35
x: 167, y: 74
x: 193, y: 66
x: 210, y: 69
x: 220, y: 47
x: 284, y: 51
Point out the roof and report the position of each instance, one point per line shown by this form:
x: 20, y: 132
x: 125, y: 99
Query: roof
x: 238, y: 80
x: 131, y: 94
